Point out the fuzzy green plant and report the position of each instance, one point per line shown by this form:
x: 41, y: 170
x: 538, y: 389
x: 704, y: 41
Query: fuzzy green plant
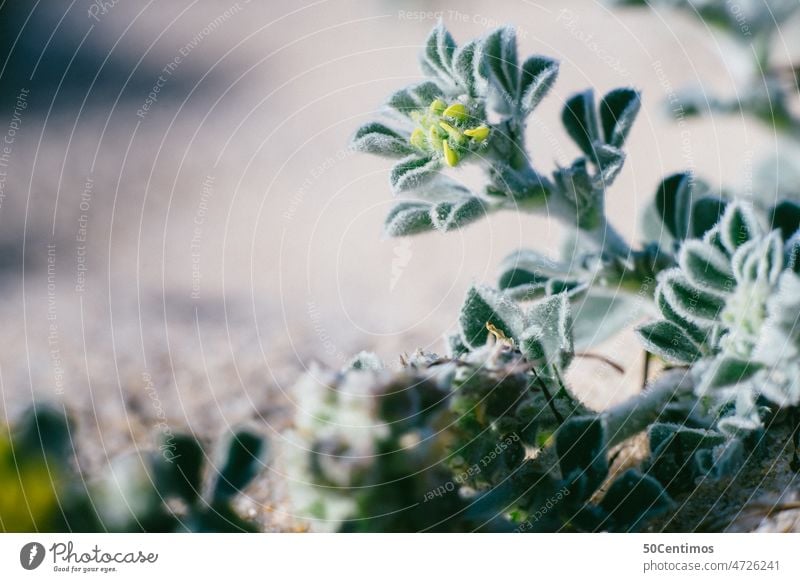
x: 472, y: 109
x: 475, y: 443
x: 730, y: 312
x: 490, y: 436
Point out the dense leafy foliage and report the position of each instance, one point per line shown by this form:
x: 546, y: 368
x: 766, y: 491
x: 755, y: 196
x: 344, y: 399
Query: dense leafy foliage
x: 491, y: 436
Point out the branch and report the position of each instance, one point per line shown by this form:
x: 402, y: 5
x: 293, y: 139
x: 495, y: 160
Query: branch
x: 635, y: 414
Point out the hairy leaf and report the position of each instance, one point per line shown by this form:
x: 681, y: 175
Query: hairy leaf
x: 674, y: 449
x: 759, y: 260
x: 414, y: 98
x: 618, y: 111
x: 580, y: 121
x: 486, y: 305
x: 536, y: 79
x: 673, y: 203
x: 689, y: 301
x: 500, y: 56
x: 668, y: 341
x: 548, y: 335
x: 524, y: 273
x: 376, y: 138
x: 448, y: 216
x: 610, y: 161
x: 739, y: 225
x: 437, y: 58
x: 725, y: 371
x: 706, y: 266
x: 467, y: 68
x: 791, y: 252
x: 706, y: 213
x: 699, y: 333
x: 407, y: 218
x: 412, y: 172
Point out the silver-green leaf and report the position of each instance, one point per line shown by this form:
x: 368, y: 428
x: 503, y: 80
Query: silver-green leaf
x: 668, y: 341
x: 407, y: 218
x: 536, y: 79
x: 486, y: 305
x: 376, y: 138
x: 412, y: 172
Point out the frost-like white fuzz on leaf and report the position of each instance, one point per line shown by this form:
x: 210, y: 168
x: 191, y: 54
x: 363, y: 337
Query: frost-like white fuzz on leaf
x: 689, y: 301
x: 706, y: 266
x: 537, y: 77
x: 413, y: 172
x: 668, y: 341
x: 407, y: 218
x: 485, y: 305
x: 739, y: 224
x: 548, y: 332
x: 376, y: 138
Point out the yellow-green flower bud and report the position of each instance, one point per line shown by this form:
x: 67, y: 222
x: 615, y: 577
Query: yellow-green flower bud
x: 438, y: 106
x: 457, y: 111
x: 478, y: 134
x: 450, y: 155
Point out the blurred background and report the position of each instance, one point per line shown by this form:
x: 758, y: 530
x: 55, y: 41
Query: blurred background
x: 183, y: 229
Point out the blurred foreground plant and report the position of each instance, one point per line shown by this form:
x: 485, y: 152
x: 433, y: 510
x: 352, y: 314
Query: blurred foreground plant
x: 43, y: 490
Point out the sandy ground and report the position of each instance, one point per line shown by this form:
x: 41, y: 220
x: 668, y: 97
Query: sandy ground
x: 188, y: 255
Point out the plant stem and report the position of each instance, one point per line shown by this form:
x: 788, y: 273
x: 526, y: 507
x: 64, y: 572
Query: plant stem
x: 550, y: 402
x: 635, y: 414
x: 605, y: 359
